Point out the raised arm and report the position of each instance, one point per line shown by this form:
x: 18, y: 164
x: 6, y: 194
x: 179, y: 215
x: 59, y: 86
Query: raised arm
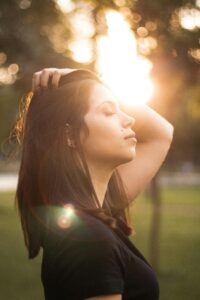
x: 154, y: 135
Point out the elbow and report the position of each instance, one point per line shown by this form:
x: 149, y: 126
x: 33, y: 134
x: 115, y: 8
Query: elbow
x: 169, y: 134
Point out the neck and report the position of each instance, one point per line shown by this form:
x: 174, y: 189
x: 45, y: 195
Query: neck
x: 100, y: 179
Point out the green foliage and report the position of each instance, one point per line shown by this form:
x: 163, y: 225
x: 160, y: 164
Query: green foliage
x: 25, y: 43
x: 179, y: 240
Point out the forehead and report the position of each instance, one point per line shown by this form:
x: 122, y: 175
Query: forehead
x: 99, y: 94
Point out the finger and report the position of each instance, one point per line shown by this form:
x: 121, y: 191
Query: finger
x: 44, y: 78
x: 36, y: 82
x: 33, y: 81
x: 55, y: 79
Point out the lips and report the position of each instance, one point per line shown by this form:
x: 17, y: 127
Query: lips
x: 131, y: 135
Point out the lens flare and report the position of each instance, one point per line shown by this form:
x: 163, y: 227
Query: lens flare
x: 66, y: 216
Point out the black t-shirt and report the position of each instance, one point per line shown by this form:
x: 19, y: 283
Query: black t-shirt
x: 85, y: 258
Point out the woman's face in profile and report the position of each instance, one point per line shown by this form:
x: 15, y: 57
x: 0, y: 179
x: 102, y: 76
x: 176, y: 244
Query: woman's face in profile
x: 108, y: 126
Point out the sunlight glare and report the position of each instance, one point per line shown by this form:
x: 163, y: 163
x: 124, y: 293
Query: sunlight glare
x: 65, y: 5
x: 189, y: 18
x: 119, y: 65
x: 81, y: 44
x: 81, y: 50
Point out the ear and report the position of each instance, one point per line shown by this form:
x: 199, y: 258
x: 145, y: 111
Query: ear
x: 70, y: 140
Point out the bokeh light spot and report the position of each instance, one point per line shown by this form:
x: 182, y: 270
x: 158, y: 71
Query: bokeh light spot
x: 24, y: 4
x: 151, y: 26
x: 142, y: 31
x: 13, y: 69
x: 3, y: 58
x: 65, y: 6
x: 189, y: 18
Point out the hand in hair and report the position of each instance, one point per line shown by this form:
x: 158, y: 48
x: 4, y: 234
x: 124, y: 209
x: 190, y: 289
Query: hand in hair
x: 48, y: 77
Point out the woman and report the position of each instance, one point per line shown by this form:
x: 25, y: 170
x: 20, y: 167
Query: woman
x: 81, y: 167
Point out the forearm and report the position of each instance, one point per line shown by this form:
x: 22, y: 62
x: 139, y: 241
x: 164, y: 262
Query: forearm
x: 149, y: 125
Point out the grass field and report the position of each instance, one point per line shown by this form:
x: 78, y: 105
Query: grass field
x: 179, y: 270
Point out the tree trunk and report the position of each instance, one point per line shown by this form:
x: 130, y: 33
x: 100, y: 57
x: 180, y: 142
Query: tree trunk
x: 154, y: 241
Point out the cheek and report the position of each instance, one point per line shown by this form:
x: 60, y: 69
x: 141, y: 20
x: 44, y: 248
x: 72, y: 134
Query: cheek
x: 104, y: 135
x: 98, y: 137
x: 102, y: 128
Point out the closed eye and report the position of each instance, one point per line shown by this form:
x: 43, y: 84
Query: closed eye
x: 110, y: 109
x: 109, y: 112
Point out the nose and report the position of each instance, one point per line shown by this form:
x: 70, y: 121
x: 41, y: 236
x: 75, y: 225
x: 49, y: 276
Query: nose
x: 128, y: 120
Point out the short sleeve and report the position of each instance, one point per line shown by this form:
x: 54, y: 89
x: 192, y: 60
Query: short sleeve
x: 88, y: 264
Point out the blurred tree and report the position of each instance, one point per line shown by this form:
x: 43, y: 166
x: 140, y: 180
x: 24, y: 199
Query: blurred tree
x: 176, y: 70
x: 26, y: 48
x: 36, y: 34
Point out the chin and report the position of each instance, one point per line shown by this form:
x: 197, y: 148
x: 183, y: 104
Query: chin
x: 132, y: 153
x: 129, y: 157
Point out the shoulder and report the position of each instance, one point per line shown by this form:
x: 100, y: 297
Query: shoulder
x: 85, y: 239
x: 78, y: 227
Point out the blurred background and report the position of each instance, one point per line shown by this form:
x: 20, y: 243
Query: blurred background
x: 148, y: 52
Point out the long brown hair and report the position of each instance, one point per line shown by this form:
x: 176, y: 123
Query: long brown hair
x: 53, y: 174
